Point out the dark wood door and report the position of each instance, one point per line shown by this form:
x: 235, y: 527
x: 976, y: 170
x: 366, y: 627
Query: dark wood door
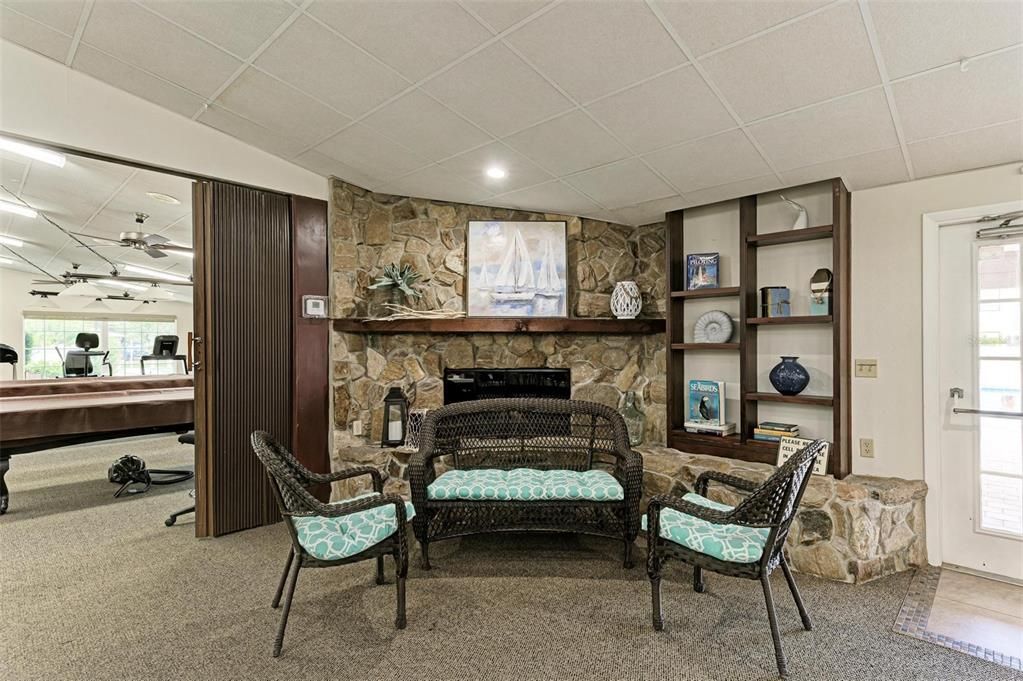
x: 243, y: 349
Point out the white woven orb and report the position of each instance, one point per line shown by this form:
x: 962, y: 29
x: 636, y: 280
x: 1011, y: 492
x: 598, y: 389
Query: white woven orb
x: 626, y: 302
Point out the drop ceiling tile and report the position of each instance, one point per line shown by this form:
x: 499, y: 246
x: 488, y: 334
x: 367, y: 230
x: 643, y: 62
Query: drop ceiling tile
x: 472, y: 166
x: 70, y: 195
x: 33, y: 35
x: 568, y: 144
x: 733, y: 190
x: 426, y: 127
x: 812, y: 60
x: 238, y: 26
x: 709, y: 162
x: 434, y: 182
x: 135, y: 36
x: 12, y: 169
x: 963, y: 151
x: 676, y: 107
x: 371, y: 153
x: 245, y: 130
x: 949, y: 100
x: 648, y: 212
x: 280, y: 107
x: 859, y: 172
x: 416, y: 38
x: 130, y: 79
x: 61, y: 15
x: 915, y: 36
x: 498, y: 91
x: 706, y: 26
x: 621, y: 184
x: 838, y: 129
x: 320, y: 63
x: 328, y: 167
x: 552, y: 197
x: 502, y: 14
x: 593, y: 48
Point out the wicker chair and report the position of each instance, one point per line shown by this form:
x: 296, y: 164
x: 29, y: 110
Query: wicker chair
x: 525, y: 464
x: 324, y: 535
x: 742, y: 541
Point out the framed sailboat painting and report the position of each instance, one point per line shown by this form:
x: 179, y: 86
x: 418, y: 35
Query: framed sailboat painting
x: 516, y: 269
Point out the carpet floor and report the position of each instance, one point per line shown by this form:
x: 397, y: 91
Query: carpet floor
x: 97, y: 588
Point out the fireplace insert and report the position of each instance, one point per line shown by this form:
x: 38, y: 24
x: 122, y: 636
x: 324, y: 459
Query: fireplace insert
x: 461, y: 385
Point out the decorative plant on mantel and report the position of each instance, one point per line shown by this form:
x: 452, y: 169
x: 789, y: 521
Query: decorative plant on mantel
x: 400, y: 279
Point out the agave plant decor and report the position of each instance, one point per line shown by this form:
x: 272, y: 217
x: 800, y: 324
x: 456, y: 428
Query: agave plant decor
x: 400, y: 279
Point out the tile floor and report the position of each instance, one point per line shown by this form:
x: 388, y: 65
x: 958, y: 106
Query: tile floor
x: 982, y: 611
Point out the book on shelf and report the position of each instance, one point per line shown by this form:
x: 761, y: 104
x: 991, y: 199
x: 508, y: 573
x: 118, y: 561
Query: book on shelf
x: 776, y: 433
x: 709, y: 429
x: 707, y: 402
x: 702, y: 270
x: 775, y: 425
x: 761, y: 437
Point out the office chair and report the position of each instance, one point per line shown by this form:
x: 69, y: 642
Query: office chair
x: 78, y: 363
x: 9, y: 355
x: 87, y: 341
x: 186, y: 439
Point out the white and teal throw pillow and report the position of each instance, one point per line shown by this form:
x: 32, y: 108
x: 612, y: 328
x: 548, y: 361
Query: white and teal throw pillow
x: 344, y: 536
x: 525, y: 484
x: 734, y: 543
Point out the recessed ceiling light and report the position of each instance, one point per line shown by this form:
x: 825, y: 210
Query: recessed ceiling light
x: 497, y: 172
x: 163, y: 198
x: 11, y: 241
x: 17, y: 209
x: 36, y: 153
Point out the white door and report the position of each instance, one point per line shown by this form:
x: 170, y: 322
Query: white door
x: 980, y: 355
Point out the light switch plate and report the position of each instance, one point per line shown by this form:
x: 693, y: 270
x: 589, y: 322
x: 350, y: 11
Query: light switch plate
x: 866, y: 368
x: 356, y: 427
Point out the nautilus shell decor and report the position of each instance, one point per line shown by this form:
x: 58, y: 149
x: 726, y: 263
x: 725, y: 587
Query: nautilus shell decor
x: 713, y: 327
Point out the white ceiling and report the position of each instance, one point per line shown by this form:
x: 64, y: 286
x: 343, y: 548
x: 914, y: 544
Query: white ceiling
x: 619, y: 110
x: 92, y: 197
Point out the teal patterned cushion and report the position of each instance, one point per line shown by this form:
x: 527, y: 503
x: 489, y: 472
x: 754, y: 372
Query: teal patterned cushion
x: 344, y: 536
x: 525, y: 484
x: 734, y: 543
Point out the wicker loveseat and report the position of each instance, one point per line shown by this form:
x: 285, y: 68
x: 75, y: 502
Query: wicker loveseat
x: 525, y: 464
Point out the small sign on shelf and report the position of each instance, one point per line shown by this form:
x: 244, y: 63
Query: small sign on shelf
x: 787, y: 446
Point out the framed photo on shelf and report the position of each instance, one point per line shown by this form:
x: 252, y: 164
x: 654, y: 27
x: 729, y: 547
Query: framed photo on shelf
x: 516, y: 269
x: 788, y: 446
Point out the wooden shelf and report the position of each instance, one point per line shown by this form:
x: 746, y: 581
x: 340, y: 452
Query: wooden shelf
x: 732, y: 446
x: 820, y: 400
x: 808, y: 319
x: 721, y: 292
x: 704, y: 346
x: 620, y: 327
x: 791, y: 236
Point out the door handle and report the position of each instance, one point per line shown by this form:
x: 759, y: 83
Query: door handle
x: 957, y: 394
x: 193, y: 346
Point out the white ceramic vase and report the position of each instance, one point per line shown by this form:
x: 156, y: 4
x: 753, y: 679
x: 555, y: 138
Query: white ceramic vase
x: 626, y: 302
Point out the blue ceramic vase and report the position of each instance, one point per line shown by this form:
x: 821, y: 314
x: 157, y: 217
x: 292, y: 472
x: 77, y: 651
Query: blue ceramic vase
x: 789, y: 377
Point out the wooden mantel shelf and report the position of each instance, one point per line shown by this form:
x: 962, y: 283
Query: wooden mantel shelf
x: 620, y: 327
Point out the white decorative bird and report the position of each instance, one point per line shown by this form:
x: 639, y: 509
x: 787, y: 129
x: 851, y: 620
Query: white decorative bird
x: 802, y: 220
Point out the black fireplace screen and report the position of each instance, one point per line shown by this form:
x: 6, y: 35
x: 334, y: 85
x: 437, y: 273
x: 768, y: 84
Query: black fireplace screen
x: 461, y: 385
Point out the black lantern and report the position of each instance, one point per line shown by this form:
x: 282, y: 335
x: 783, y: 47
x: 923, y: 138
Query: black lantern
x: 395, y: 418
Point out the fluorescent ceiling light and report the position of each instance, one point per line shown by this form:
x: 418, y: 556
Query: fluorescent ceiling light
x: 156, y: 293
x: 36, y: 153
x: 6, y: 261
x: 163, y: 198
x: 497, y: 173
x: 17, y: 209
x: 157, y: 274
x: 11, y: 241
x: 82, y: 289
x: 121, y: 284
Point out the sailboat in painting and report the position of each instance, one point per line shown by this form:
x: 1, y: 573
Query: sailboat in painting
x: 484, y: 283
x: 548, y: 283
x: 515, y: 280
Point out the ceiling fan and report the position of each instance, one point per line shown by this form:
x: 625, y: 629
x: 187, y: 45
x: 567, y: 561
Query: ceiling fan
x: 153, y: 245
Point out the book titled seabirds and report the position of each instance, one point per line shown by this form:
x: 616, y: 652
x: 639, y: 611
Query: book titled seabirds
x: 702, y: 270
x: 707, y: 401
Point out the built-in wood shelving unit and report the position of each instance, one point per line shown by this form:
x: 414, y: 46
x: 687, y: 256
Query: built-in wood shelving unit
x: 741, y: 445
x: 621, y: 327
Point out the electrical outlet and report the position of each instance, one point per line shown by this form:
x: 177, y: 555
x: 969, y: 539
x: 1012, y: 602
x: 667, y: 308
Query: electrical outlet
x: 866, y: 368
x: 356, y: 427
x: 867, y: 447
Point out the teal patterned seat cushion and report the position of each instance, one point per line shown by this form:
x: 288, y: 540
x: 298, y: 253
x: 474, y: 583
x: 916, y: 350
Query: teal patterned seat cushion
x: 344, y: 536
x: 525, y: 484
x: 734, y: 543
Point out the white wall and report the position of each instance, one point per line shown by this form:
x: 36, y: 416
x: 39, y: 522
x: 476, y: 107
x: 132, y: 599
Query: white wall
x: 886, y: 306
x: 15, y: 300
x: 42, y: 99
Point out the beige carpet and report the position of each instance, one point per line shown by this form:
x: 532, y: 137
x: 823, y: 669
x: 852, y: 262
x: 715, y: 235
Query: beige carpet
x: 96, y: 588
